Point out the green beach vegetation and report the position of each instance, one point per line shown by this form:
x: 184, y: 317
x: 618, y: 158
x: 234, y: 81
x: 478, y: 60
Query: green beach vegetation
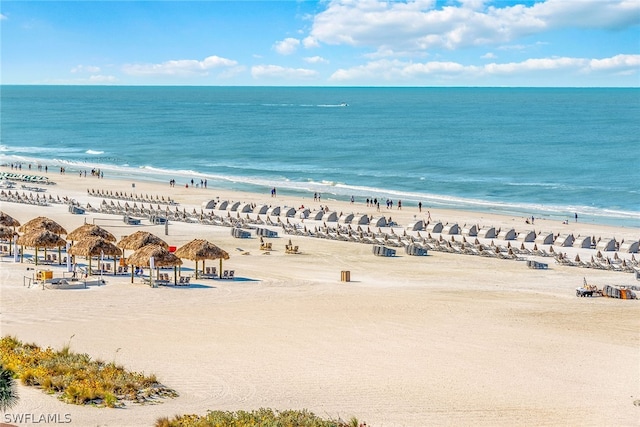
x: 76, y: 378
x: 260, y: 417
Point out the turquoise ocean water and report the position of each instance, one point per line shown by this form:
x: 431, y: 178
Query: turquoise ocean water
x: 518, y: 151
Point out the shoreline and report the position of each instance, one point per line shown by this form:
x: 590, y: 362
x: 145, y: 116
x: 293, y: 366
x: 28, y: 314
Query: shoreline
x: 341, y: 193
x: 442, y: 339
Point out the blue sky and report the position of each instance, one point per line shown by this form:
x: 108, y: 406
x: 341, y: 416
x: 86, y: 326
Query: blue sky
x: 322, y: 43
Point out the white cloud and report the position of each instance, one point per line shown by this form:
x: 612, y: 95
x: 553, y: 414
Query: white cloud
x: 286, y: 46
x: 618, y: 62
x: 102, y: 79
x: 309, y: 42
x: 181, y: 67
x: 396, y: 70
x: 316, y: 60
x: 420, y: 25
x: 276, y: 71
x: 3, y: 17
x: 85, y: 69
x: 489, y: 55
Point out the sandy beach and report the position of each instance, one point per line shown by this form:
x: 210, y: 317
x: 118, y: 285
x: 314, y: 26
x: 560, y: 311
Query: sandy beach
x: 446, y: 339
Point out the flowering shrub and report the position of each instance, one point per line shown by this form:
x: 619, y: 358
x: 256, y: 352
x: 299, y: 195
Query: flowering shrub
x: 77, y: 379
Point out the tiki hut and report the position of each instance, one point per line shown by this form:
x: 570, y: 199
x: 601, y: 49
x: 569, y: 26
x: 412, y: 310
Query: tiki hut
x: 91, y: 246
x: 161, y: 258
x: 90, y: 230
x: 8, y: 220
x: 200, y: 249
x: 6, y: 233
x: 42, y: 223
x: 39, y: 238
x: 140, y: 239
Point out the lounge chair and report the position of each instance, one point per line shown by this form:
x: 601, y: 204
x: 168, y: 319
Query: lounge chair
x: 231, y: 274
x: 225, y: 274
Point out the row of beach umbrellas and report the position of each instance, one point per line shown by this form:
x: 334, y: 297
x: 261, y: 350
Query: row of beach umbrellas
x: 92, y: 240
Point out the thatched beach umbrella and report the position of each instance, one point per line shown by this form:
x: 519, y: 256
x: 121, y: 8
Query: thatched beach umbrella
x: 42, y: 223
x: 90, y: 230
x: 200, y: 249
x: 161, y: 258
x: 93, y: 246
x: 6, y: 233
x: 41, y: 239
x: 8, y: 220
x: 139, y: 239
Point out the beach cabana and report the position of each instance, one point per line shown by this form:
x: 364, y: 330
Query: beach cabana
x: 470, y: 230
x: 261, y: 210
x: 527, y: 236
x: 379, y: 222
x: 288, y: 212
x: 451, y: 229
x: 91, y: 246
x: 303, y: 213
x: 274, y: 211
x: 606, y: 245
x: 161, y: 258
x: 545, y: 238
x: 583, y: 242
x: 222, y: 206
x: 416, y: 226
x: 39, y: 238
x: 488, y: 232
x: 509, y: 234
x: 565, y: 240
x: 211, y: 204
x: 90, y: 230
x: 317, y: 215
x: 345, y: 218
x: 245, y: 208
x: 330, y: 217
x: 630, y: 247
x: 200, y: 249
x: 233, y: 207
x: 360, y: 219
x: 436, y: 227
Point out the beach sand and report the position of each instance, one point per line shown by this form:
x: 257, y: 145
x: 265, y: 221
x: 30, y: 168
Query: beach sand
x: 445, y: 339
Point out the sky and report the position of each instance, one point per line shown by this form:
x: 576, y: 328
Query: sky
x: 548, y: 43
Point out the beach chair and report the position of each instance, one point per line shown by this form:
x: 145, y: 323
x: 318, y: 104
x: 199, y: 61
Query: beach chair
x: 225, y: 275
x: 181, y: 281
x: 231, y: 274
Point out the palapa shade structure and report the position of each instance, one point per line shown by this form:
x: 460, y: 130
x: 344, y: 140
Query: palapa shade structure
x: 8, y: 220
x: 90, y: 230
x: 200, y: 249
x: 42, y: 223
x: 140, y: 239
x: 161, y: 258
x: 41, y: 239
x: 93, y: 246
x: 7, y: 233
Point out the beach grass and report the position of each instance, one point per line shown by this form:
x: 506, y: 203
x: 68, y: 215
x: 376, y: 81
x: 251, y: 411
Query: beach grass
x: 76, y: 378
x: 260, y: 417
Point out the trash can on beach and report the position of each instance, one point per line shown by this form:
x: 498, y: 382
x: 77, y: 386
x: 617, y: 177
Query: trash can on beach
x: 345, y: 276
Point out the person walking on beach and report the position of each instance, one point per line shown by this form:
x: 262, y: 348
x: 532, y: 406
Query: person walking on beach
x: 419, y: 206
x: 399, y: 205
x: 576, y: 216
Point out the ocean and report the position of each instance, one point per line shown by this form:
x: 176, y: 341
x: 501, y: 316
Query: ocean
x: 517, y: 151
